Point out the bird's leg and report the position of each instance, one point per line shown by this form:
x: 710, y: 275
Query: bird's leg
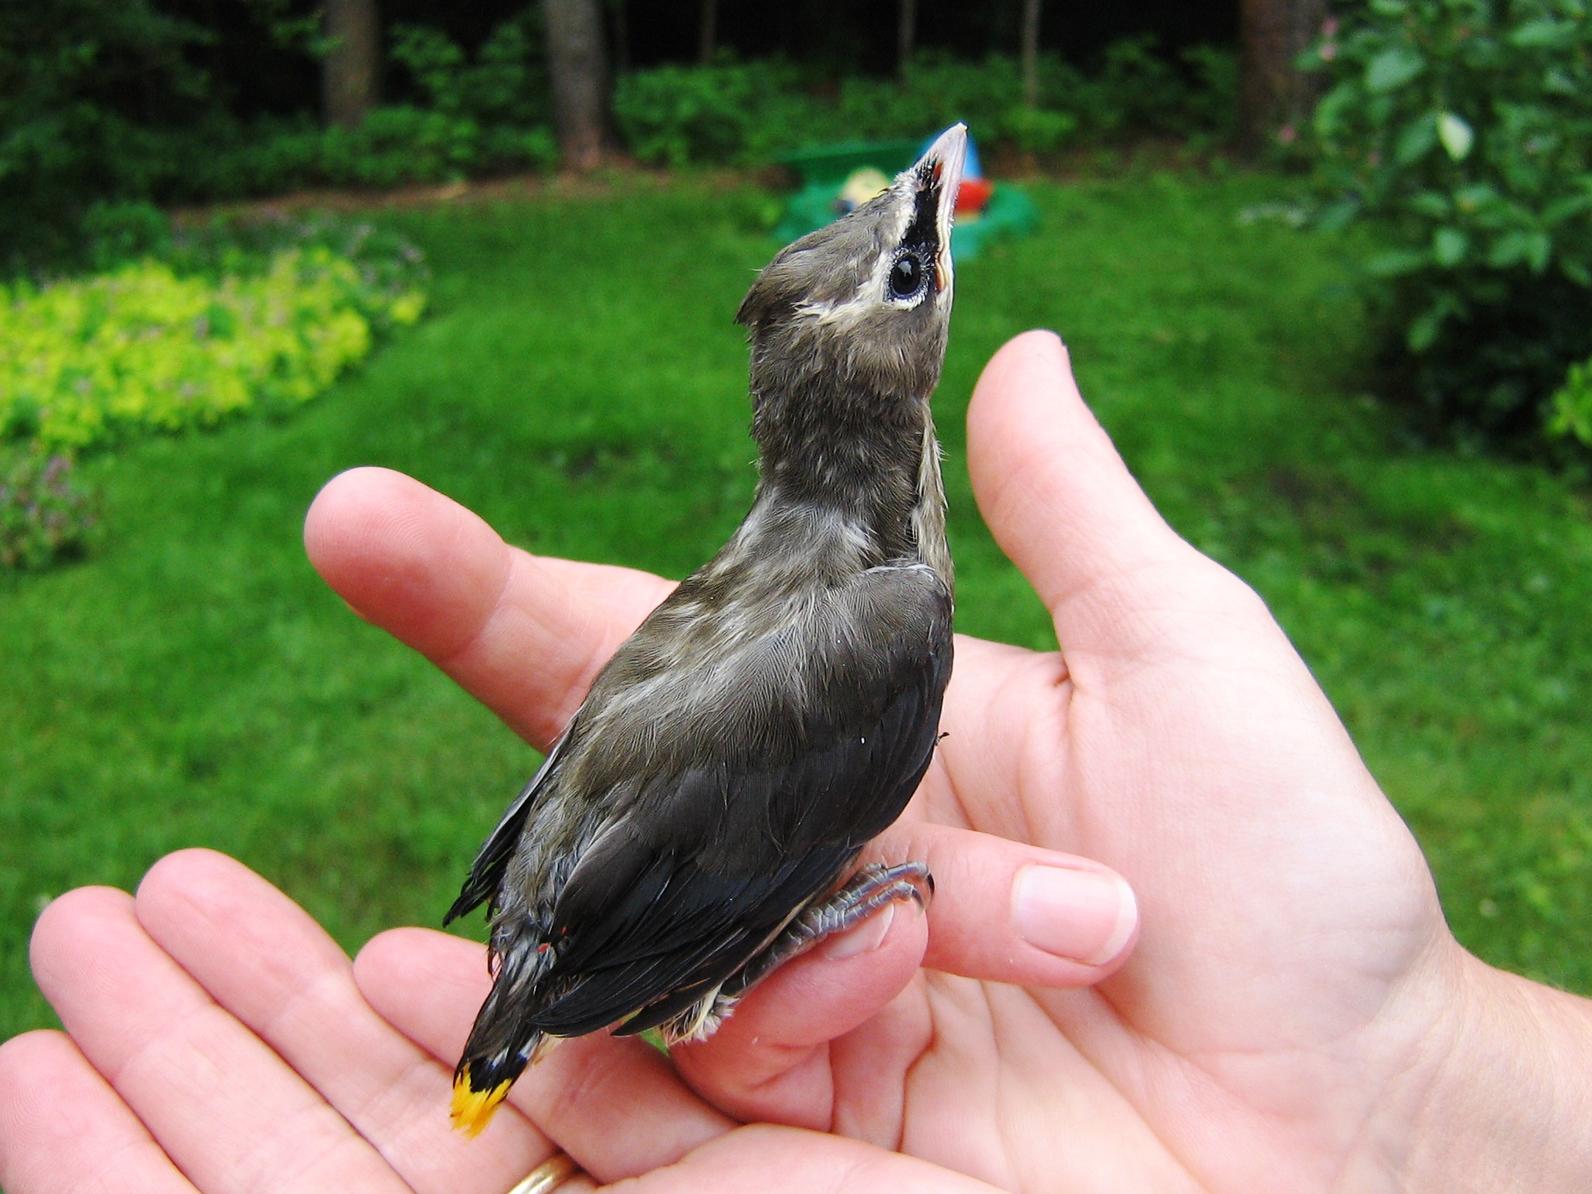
x: 869, y: 890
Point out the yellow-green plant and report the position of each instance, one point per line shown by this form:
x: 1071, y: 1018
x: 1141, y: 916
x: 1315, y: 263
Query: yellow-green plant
x: 93, y: 360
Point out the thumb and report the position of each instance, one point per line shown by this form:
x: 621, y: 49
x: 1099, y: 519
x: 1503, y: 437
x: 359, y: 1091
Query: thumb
x: 1057, y: 496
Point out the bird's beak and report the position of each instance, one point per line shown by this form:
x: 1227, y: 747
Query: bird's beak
x: 940, y: 170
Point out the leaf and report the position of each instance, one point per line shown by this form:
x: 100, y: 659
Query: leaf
x: 1539, y: 247
x: 1475, y: 197
x: 1395, y: 262
x: 1556, y: 35
x: 1431, y: 203
x: 1422, y: 333
x: 1392, y: 69
x: 1338, y: 215
x: 1449, y: 246
x: 1416, y: 139
x: 1561, y: 210
x: 1509, y: 249
x: 1455, y: 135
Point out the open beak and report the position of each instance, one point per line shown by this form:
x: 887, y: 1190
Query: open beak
x: 940, y: 168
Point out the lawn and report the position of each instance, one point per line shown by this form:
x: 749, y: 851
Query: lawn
x: 580, y: 383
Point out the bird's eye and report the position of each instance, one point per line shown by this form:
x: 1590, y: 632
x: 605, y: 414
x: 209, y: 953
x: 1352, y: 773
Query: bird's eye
x: 906, y: 276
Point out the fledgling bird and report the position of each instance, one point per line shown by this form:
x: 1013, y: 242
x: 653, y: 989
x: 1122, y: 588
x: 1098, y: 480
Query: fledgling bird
x: 692, y: 827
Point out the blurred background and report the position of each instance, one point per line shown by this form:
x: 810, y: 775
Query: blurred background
x: 1325, y: 274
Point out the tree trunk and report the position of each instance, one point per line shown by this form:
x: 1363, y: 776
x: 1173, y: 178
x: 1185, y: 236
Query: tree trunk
x: 1030, y: 52
x: 1272, y: 94
x: 906, y: 35
x: 707, y: 30
x: 578, y: 68
x: 351, y: 70
x: 621, y: 36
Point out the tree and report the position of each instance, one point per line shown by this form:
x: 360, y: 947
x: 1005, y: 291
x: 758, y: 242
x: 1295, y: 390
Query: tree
x: 1272, y: 93
x: 1030, y: 52
x: 707, y: 30
x: 578, y: 66
x: 351, y: 70
x: 906, y: 35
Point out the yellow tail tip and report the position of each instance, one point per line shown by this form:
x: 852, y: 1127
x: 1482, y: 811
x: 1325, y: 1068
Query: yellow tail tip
x: 472, y: 1109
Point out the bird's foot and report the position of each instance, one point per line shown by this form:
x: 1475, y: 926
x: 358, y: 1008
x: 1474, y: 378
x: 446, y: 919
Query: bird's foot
x: 865, y: 893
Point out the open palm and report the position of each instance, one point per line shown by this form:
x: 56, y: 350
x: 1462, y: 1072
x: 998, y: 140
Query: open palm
x: 1269, y: 1033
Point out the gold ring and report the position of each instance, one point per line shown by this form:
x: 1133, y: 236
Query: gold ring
x: 548, y: 1176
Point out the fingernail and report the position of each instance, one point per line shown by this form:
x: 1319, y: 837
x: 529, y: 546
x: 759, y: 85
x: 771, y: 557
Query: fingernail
x: 1082, y: 915
x: 865, y: 938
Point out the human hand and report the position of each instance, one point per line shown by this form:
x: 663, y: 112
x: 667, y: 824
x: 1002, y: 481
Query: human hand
x: 1292, y: 1004
x: 1294, y: 994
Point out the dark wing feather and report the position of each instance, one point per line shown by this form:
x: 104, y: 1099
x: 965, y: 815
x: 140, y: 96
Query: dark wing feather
x: 492, y: 859
x: 712, y: 861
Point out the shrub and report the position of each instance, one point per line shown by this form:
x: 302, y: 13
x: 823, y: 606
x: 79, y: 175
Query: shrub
x: 1571, y: 412
x: 1460, y: 130
x: 504, y: 86
x: 735, y: 112
x: 45, y: 515
x: 114, y: 232
x: 675, y: 115
x: 143, y: 347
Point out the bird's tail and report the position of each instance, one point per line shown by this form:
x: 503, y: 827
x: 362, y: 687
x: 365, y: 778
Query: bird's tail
x: 502, y: 1042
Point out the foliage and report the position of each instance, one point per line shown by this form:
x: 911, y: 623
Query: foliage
x: 505, y: 85
x: 1572, y: 405
x: 751, y: 112
x: 1461, y: 131
x: 114, y: 232
x: 66, y: 119
x: 144, y: 346
x: 679, y: 114
x: 73, y: 133
x: 45, y: 515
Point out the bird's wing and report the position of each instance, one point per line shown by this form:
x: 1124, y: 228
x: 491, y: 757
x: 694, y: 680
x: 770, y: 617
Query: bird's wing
x: 486, y: 872
x: 714, y: 856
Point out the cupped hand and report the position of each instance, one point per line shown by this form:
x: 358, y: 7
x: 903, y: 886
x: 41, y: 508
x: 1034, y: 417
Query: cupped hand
x: 1277, y: 1010
x: 1279, y: 1002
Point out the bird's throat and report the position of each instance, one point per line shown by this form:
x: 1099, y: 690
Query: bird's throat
x: 872, y: 461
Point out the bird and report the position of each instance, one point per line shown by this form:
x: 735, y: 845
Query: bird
x: 698, y: 821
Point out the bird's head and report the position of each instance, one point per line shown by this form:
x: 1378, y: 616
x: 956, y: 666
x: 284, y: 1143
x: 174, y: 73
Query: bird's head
x: 865, y: 302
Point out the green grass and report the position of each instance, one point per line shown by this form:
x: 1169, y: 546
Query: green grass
x: 580, y: 383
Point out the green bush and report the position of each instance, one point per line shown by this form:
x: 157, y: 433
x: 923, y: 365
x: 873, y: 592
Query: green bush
x: 675, y: 115
x: 751, y: 113
x: 143, y: 347
x: 1460, y: 130
x: 45, y: 515
x: 504, y: 86
x: 1571, y: 411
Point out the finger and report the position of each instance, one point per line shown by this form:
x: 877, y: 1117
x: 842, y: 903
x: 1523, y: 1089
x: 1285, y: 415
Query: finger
x: 525, y: 634
x: 225, y: 1108
x: 1005, y: 911
x: 780, y: 1159
x: 1056, y: 494
x: 1002, y: 911
x: 770, y: 1059
x: 63, y: 1129
x: 268, y: 963
x: 614, y: 1104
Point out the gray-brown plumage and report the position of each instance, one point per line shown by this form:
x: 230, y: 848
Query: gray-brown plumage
x: 693, y: 825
